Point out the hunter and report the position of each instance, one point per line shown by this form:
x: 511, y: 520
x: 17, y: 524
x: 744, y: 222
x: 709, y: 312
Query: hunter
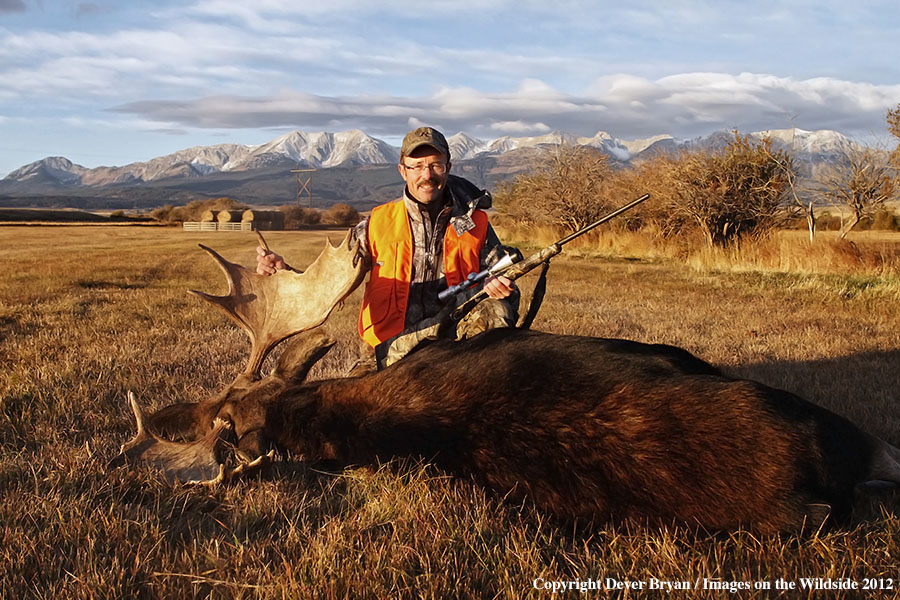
x: 431, y: 237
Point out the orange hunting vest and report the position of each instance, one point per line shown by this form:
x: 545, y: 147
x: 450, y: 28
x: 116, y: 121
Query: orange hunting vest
x: 383, y: 310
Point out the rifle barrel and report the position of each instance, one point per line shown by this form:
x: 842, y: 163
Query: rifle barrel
x: 603, y: 220
x: 545, y: 254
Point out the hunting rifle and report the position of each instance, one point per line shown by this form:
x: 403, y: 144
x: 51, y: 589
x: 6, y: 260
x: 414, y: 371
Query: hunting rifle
x: 513, y: 270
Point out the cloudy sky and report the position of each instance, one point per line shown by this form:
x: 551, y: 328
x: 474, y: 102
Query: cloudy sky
x: 111, y: 82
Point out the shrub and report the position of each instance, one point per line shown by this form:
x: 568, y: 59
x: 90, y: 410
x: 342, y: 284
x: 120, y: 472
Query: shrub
x: 298, y: 216
x: 724, y: 195
x: 341, y: 214
x: 861, y: 182
x: 738, y: 191
x: 828, y: 222
x: 565, y: 188
x: 886, y: 220
x: 193, y: 210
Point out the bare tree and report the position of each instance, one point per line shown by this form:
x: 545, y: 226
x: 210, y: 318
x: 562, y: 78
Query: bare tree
x: 806, y: 203
x: 861, y: 183
x: 566, y: 188
x: 893, y: 121
x: 729, y: 194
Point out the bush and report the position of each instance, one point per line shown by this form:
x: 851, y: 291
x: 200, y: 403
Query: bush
x: 341, y: 214
x: 828, y: 222
x: 736, y: 192
x: 297, y: 216
x: 566, y: 188
x: 862, y: 182
x: 885, y: 220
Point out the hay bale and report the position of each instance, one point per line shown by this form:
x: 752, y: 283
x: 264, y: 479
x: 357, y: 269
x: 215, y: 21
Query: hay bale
x: 208, y: 215
x: 229, y: 216
x: 264, y: 219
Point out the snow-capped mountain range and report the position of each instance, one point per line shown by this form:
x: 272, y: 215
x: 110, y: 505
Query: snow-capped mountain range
x: 355, y: 148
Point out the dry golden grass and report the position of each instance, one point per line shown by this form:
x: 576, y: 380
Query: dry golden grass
x: 88, y: 313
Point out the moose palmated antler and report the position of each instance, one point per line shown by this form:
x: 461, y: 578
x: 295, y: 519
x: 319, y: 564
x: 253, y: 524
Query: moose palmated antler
x: 198, y: 462
x: 272, y: 308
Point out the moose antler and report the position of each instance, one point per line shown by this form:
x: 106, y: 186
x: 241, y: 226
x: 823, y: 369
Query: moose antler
x: 272, y: 308
x: 199, y: 462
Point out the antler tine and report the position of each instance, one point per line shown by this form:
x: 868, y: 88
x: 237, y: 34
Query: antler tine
x: 197, y: 462
x: 138, y: 414
x: 262, y: 240
x: 232, y: 271
x: 272, y: 308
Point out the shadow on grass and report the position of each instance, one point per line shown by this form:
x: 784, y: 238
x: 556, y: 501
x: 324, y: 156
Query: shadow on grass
x: 862, y: 387
x: 103, y: 285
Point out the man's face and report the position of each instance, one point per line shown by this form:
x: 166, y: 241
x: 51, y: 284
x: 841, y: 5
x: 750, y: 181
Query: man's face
x: 425, y: 172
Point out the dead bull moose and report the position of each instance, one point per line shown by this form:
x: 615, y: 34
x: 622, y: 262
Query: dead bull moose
x: 586, y: 428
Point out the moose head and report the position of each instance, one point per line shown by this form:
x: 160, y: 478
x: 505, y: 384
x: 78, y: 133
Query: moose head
x: 270, y: 309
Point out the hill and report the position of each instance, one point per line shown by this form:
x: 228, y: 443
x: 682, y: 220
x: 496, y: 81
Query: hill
x: 42, y: 215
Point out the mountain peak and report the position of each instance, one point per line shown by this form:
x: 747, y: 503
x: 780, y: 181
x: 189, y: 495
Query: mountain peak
x: 320, y: 150
x: 54, y: 170
x: 822, y: 141
x: 354, y: 147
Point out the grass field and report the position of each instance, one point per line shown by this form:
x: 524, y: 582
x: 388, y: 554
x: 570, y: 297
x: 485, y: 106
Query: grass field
x: 88, y: 313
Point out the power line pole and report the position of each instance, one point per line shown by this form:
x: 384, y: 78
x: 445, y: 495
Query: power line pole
x: 303, y: 186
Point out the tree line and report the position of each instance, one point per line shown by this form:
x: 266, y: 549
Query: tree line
x: 745, y: 189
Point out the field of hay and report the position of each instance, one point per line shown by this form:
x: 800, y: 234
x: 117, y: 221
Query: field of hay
x: 88, y: 313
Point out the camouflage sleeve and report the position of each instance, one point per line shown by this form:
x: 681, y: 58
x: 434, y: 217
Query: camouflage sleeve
x: 361, y: 234
x: 493, y: 250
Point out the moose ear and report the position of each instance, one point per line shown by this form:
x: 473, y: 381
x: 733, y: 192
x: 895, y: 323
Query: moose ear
x: 301, y: 353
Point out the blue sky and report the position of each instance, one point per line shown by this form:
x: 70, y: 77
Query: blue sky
x: 112, y: 82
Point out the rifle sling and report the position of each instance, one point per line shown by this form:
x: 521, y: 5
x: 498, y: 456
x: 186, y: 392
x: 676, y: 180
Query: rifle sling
x: 537, y: 297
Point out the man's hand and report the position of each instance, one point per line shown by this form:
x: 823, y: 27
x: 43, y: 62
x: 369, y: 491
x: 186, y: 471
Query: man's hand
x: 498, y: 287
x: 268, y: 263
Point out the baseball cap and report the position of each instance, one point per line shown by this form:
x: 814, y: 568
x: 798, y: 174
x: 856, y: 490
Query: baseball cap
x: 424, y: 136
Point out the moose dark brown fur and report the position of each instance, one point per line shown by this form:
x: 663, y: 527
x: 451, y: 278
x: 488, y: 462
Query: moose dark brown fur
x: 585, y: 428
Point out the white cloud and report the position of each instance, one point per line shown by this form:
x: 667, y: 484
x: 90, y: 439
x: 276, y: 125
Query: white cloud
x: 519, y: 127
x: 682, y: 105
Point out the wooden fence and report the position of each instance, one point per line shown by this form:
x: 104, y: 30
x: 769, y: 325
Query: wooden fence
x: 216, y: 226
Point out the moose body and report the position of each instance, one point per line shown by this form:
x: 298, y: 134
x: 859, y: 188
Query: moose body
x: 584, y: 427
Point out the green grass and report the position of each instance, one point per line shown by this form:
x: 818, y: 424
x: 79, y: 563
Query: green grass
x: 88, y: 313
